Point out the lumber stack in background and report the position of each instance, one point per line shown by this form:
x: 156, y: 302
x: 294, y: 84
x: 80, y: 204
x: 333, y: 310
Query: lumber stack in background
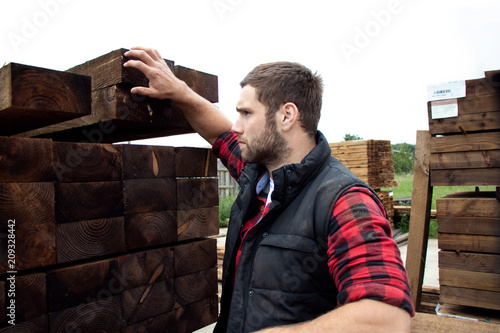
x: 465, y: 150
x: 469, y: 240
x: 109, y: 237
x: 371, y: 161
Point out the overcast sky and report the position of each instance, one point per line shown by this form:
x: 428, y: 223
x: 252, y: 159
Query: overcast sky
x: 376, y: 56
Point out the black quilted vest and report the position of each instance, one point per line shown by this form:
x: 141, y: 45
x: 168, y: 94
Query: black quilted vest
x: 283, y: 275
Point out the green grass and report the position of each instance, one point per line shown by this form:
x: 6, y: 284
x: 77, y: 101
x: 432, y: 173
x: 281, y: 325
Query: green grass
x: 225, y: 204
x: 405, y: 187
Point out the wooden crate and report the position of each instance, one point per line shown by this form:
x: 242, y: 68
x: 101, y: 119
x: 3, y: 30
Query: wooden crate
x: 469, y: 239
x: 478, y: 111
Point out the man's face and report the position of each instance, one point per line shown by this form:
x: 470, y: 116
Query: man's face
x: 259, y: 139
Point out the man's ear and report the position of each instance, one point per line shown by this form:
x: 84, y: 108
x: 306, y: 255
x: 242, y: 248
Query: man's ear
x: 289, y: 115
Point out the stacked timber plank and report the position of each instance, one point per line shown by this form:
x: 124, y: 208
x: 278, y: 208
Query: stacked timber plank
x: 469, y: 239
x: 371, y: 161
x: 117, y: 115
x: 112, y: 232
x: 108, y: 237
x: 465, y: 150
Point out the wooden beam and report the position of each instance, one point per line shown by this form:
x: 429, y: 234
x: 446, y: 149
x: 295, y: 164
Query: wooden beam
x: 25, y: 160
x: 90, y: 238
x: 107, y: 70
x: 193, y: 193
x: 420, y: 217
x: 31, y: 296
x: 84, y: 162
x: 205, y: 312
x: 195, y: 223
x: 149, y: 195
x: 147, y: 301
x: 150, y: 229
x: 84, y: 283
x: 431, y: 323
x: 33, y: 97
x: 29, y: 209
x: 195, y: 287
x: 195, y: 162
x: 477, y: 262
x: 145, y: 268
x: 103, y: 315
x: 88, y: 201
x: 194, y: 256
x: 470, y: 297
x: 465, y: 177
x: 142, y: 161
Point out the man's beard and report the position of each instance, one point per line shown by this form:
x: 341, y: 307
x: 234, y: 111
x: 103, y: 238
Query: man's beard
x: 268, y: 148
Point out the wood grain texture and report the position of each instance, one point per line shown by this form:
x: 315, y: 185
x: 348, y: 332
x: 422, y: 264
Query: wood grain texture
x: 25, y: 160
x: 469, y: 279
x: 204, y: 84
x: 107, y: 70
x: 195, y: 162
x: 33, y: 97
x: 196, y: 193
x: 150, y: 229
x: 141, y: 303
x: 478, y: 262
x: 430, y: 323
x: 420, y: 217
x: 195, y: 256
x: 149, y: 195
x: 145, y: 268
x: 103, y: 315
x: 37, y: 325
x: 117, y: 116
x: 196, y: 223
x: 466, y: 160
x: 84, y: 283
x: 84, y: 162
x: 195, y: 287
x: 469, y: 243
x: 205, y: 313
x: 165, y: 322
x: 87, y: 201
x: 88, y: 239
x: 31, y: 206
x: 31, y: 296
x: 465, y: 177
x: 461, y: 143
x: 470, y: 297
x: 142, y: 161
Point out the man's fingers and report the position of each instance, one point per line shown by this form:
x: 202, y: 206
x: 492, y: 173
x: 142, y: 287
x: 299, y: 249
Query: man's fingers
x: 139, y: 65
x: 141, y: 91
x: 146, y: 55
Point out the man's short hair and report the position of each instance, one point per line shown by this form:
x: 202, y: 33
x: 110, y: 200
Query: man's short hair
x: 278, y: 83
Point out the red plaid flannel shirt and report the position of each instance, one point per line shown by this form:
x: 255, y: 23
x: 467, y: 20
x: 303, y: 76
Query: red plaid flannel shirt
x: 364, y: 261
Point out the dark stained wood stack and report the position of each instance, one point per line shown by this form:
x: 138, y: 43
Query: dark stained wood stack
x: 469, y: 239
x: 465, y: 150
x: 371, y: 161
x: 109, y: 237
x: 116, y: 114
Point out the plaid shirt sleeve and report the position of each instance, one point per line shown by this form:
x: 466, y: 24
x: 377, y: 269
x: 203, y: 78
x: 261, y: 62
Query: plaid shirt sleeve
x: 364, y: 260
x: 227, y: 149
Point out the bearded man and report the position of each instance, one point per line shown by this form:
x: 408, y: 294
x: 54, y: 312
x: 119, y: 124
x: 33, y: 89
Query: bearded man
x: 309, y: 247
